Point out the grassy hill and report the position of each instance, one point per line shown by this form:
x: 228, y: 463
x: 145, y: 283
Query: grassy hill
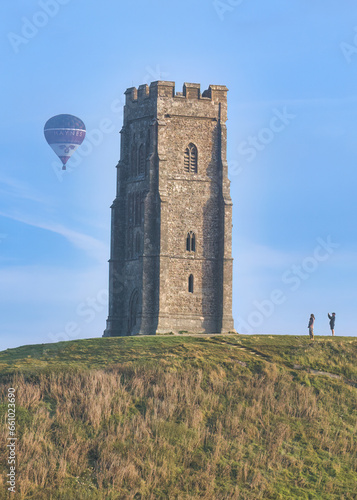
x: 179, y: 417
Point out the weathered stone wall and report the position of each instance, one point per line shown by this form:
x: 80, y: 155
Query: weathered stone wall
x: 159, y: 203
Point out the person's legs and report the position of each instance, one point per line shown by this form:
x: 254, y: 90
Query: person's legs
x: 333, y: 332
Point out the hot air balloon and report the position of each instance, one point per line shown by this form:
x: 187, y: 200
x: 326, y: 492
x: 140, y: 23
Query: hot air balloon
x: 64, y: 133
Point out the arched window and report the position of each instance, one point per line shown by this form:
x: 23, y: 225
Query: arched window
x: 191, y: 242
x: 129, y: 244
x: 137, y: 244
x: 141, y: 160
x: 148, y: 149
x: 137, y: 210
x: 129, y: 247
x: 190, y: 159
x: 190, y: 283
x: 133, y: 161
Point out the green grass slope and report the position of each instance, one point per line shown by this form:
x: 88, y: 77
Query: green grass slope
x: 183, y: 417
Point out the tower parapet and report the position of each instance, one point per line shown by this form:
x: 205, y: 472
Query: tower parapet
x: 162, y: 88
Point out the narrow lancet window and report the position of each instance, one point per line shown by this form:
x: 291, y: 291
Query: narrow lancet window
x: 188, y: 242
x: 137, y: 244
x: 193, y: 242
x: 133, y: 161
x: 190, y: 283
x: 141, y: 160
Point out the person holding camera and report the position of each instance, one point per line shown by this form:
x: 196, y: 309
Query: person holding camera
x: 332, y: 322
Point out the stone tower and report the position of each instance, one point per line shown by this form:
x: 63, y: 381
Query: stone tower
x: 170, y: 267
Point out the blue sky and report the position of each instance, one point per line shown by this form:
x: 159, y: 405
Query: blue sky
x: 291, y: 70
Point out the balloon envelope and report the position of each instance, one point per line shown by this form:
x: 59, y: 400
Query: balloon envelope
x: 64, y: 133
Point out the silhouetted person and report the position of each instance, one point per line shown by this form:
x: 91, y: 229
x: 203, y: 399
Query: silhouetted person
x: 311, y: 326
x: 332, y: 322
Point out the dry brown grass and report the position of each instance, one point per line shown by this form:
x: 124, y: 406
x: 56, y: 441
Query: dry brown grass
x: 144, y: 433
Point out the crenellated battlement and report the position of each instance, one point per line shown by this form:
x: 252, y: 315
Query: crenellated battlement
x: 163, y: 88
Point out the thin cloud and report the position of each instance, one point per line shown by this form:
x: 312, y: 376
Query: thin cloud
x: 17, y: 189
x: 263, y: 256
x: 50, y: 285
x: 93, y: 247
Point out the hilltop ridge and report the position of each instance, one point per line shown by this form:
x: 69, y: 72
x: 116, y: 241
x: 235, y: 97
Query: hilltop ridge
x: 224, y: 416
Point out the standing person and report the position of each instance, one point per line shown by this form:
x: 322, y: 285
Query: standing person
x: 332, y: 322
x: 311, y: 326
